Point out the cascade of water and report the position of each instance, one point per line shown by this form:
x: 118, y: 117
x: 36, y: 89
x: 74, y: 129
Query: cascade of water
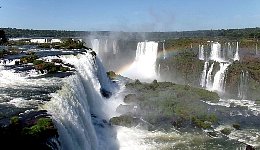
x: 236, y: 56
x: 95, y: 45
x: 115, y: 51
x: 230, y: 51
x: 164, y: 51
x: 159, y: 70
x: 144, y: 65
x: 219, y: 78
x: 209, y: 77
x: 73, y: 106
x: 70, y: 111
x: 216, y: 52
x: 242, y: 87
x: 105, y: 48
x: 201, y: 52
x: 204, y: 74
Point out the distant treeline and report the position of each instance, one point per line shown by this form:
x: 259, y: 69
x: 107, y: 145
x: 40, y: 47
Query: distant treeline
x: 222, y: 33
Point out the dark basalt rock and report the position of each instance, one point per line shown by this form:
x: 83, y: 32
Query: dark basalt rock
x: 249, y: 147
x: 32, y: 130
x: 125, y: 120
x: 105, y: 93
x: 93, y: 53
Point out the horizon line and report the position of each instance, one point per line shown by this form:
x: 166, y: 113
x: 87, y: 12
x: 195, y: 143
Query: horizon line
x: 127, y: 31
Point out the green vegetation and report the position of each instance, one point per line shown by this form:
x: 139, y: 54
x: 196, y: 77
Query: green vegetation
x: 184, y: 43
x: 72, y: 44
x: 124, y: 120
x: 221, y: 33
x: 183, y: 68
x: 67, y: 43
x: 165, y: 104
x: 49, y: 67
x: 250, y: 65
x: 28, y: 133
x: 14, y: 120
x: 111, y: 74
x: 130, y: 98
x: 28, y: 59
x: 205, y: 121
x: 9, y: 51
x: 236, y: 126
x: 41, y: 65
x: 226, y: 131
x: 3, y: 38
x: 42, y: 125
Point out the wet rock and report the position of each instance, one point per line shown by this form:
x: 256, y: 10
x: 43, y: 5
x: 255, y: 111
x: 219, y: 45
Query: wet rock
x: 93, y: 53
x: 249, y: 147
x: 30, y: 130
x: 125, y: 120
x: 56, y: 61
x: 236, y: 126
x: 130, y: 98
x: 212, y: 133
x: 105, y: 93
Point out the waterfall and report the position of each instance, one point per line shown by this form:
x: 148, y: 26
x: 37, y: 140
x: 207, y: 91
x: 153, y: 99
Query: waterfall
x: 78, y: 109
x: 144, y: 65
x: 204, y: 74
x: 201, y: 52
x: 216, y: 52
x: 215, y: 82
x: 159, y: 70
x: 115, y: 50
x: 105, y: 48
x: 242, y: 87
x: 230, y: 51
x: 236, y: 56
x: 164, y: 51
x: 209, y: 77
x: 219, y: 78
x: 95, y: 45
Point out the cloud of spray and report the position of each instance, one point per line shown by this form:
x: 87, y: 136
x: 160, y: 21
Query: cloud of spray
x: 129, y: 33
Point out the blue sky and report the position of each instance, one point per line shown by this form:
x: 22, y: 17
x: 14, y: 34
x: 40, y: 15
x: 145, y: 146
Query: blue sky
x: 130, y: 15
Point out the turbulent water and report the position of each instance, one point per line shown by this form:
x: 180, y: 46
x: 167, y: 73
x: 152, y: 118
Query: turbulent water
x: 81, y: 112
x: 79, y: 108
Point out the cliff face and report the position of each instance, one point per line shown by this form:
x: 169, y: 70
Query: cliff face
x: 244, y: 76
x: 182, y: 68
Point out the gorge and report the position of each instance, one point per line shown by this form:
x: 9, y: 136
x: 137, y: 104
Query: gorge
x: 204, y: 97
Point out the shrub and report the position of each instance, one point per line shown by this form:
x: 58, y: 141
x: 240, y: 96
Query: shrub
x: 42, y: 125
x: 226, y: 131
x: 14, y: 120
x: 111, y: 74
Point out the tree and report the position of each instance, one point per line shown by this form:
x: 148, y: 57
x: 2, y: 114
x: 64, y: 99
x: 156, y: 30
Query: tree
x: 3, y: 38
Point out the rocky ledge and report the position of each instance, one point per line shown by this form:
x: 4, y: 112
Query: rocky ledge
x: 31, y: 130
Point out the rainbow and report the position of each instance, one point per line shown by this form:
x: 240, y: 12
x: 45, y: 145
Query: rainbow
x: 160, y: 56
